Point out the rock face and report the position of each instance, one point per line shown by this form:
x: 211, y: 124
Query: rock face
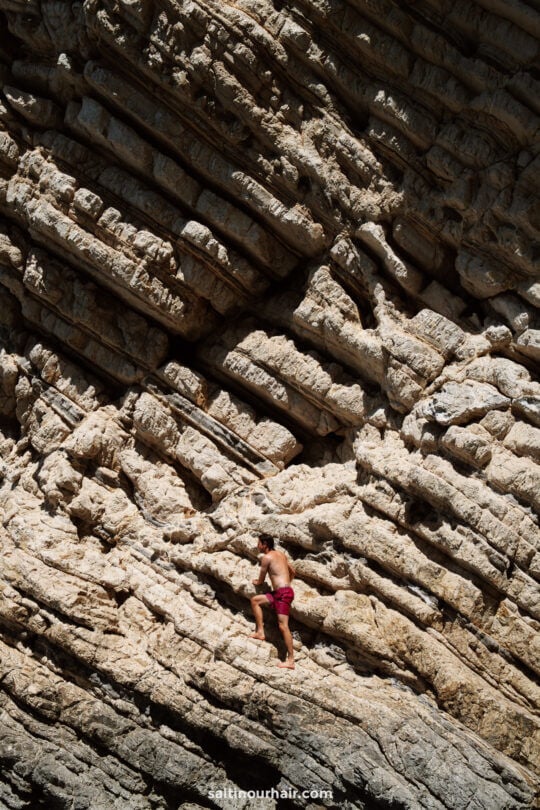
x: 269, y: 267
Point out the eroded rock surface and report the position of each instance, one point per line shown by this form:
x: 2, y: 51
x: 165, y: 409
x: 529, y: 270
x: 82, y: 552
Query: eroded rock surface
x: 269, y: 267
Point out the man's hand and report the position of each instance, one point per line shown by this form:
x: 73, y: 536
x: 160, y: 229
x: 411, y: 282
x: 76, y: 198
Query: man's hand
x: 265, y: 562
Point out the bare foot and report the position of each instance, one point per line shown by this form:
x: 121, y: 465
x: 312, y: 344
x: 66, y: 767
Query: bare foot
x: 258, y: 636
x: 286, y: 665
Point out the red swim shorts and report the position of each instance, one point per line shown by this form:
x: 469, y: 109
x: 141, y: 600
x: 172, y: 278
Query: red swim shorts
x: 281, y: 600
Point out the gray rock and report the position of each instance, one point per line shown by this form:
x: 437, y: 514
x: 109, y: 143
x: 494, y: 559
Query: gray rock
x: 460, y: 403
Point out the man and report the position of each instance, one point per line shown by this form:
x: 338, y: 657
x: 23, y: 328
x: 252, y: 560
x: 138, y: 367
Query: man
x: 275, y: 564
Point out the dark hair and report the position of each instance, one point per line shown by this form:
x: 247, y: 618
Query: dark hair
x: 267, y: 541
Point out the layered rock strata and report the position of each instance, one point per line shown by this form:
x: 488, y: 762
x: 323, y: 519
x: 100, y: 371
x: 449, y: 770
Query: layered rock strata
x: 269, y: 267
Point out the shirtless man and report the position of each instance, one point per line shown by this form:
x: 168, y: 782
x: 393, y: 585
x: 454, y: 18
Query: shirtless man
x: 281, y: 573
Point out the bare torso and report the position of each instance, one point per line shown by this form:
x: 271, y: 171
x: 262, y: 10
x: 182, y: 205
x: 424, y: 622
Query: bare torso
x: 281, y: 573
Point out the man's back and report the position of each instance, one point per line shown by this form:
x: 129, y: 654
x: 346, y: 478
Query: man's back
x: 279, y: 569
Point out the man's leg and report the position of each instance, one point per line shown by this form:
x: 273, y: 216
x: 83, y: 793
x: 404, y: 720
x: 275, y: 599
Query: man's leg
x: 283, y: 622
x: 257, y: 603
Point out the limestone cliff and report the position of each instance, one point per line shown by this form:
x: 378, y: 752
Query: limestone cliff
x: 269, y: 266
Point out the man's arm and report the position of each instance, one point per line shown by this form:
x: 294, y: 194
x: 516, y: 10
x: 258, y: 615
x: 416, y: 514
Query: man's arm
x: 292, y: 572
x: 265, y: 562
